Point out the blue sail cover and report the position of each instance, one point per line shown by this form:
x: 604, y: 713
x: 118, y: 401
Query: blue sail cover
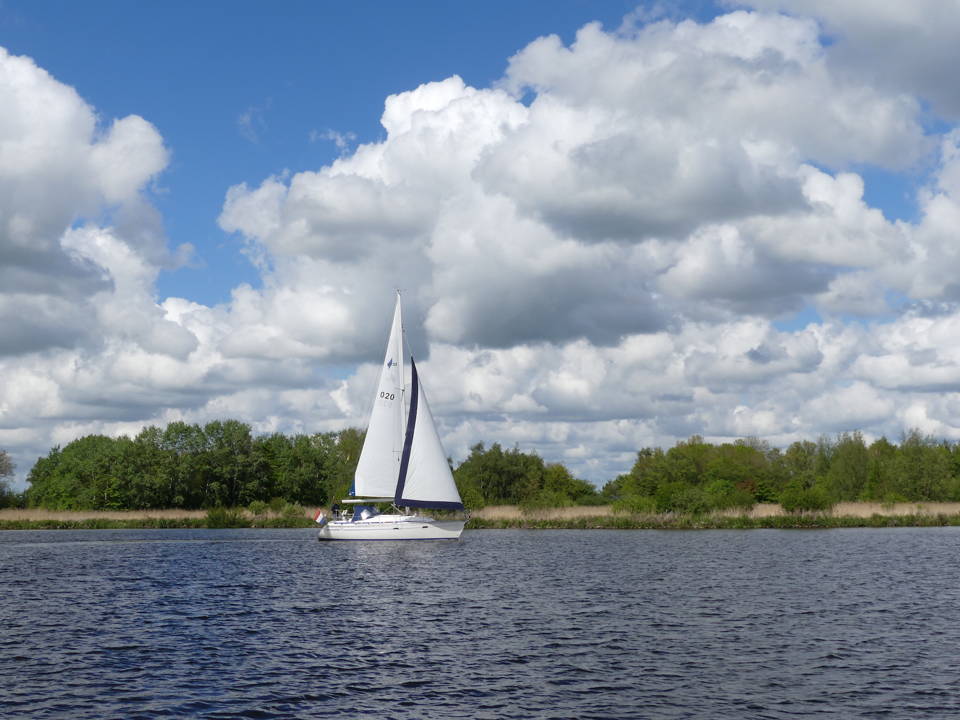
x: 362, y: 512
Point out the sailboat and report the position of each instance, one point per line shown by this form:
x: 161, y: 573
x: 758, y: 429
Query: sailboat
x: 402, y: 462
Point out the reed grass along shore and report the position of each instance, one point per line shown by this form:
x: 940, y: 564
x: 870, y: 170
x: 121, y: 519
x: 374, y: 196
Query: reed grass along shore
x: 766, y: 515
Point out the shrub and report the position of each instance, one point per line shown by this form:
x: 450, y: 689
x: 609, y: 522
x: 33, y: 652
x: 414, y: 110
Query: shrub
x: 545, y: 499
x: 292, y: 510
x: 591, y: 500
x: 471, y: 496
x: 220, y: 517
x: 257, y: 507
x: 679, y: 497
x: 891, y: 498
x: 723, y: 495
x: 636, y: 504
x: 796, y: 498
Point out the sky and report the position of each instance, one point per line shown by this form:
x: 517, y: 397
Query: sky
x: 614, y: 225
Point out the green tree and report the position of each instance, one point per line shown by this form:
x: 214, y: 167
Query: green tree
x: 218, y: 465
x: 681, y: 497
x: 273, y: 460
x: 151, y: 481
x: 482, y: 470
x: 800, y: 459
x: 518, y: 478
x: 800, y: 465
x: 559, y: 488
x: 647, y: 474
x: 849, y: 468
x: 90, y: 473
x: 613, y: 490
x: 880, y: 486
x: 232, y: 481
x: 798, y: 498
x: 686, y: 462
x: 186, y: 464
x: 348, y: 445
x: 316, y: 462
x: 823, y: 457
x: 556, y: 477
x: 923, y: 468
x: 7, y: 467
x: 740, y: 465
x: 769, y: 486
x: 723, y: 495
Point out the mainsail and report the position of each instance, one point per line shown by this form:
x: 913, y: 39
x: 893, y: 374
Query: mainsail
x: 379, y: 462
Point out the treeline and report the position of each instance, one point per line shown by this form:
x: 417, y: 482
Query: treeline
x: 496, y: 476
x: 220, y: 464
x: 223, y: 464
x: 695, y: 476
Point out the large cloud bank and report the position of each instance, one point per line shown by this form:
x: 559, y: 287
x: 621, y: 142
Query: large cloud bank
x: 608, y: 249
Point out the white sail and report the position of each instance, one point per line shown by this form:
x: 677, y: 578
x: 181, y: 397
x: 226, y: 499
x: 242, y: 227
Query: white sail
x: 425, y: 479
x: 379, y: 463
x: 406, y: 466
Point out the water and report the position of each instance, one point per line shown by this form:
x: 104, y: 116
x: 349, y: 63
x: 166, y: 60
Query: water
x: 503, y: 624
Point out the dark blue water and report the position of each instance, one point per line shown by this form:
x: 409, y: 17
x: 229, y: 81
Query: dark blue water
x: 503, y: 624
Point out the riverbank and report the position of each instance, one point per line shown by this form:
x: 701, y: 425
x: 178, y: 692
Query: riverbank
x: 36, y: 519
x: 714, y: 522
x: 764, y: 515
x: 759, y: 511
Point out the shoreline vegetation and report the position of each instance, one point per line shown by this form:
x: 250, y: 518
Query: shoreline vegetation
x: 222, y: 475
x: 599, y: 517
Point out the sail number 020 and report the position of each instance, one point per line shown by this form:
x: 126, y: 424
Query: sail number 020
x: 387, y: 396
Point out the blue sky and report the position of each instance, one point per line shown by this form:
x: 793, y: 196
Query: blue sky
x: 297, y: 69
x: 728, y: 219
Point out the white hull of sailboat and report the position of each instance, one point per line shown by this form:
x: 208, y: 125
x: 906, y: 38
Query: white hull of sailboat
x: 399, y: 529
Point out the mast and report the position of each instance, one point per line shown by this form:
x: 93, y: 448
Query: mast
x: 401, y: 406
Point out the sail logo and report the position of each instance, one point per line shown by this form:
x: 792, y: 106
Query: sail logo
x: 390, y: 363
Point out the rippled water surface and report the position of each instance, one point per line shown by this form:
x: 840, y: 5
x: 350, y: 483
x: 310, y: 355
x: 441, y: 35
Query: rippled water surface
x: 503, y: 624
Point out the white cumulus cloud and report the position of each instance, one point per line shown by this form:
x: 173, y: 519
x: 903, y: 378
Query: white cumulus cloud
x: 611, y: 247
